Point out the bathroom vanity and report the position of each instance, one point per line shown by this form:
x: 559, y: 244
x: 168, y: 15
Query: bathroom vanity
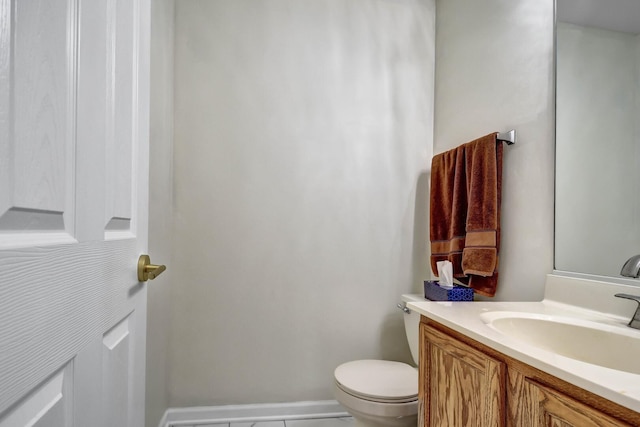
x: 503, y: 363
x: 466, y: 383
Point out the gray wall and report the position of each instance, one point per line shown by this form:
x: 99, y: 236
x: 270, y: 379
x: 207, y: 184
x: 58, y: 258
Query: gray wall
x: 160, y: 208
x: 494, y: 72
x: 303, y: 132
x: 304, y: 135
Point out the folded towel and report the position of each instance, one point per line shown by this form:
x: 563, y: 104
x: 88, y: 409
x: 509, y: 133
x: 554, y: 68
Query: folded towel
x: 465, y: 212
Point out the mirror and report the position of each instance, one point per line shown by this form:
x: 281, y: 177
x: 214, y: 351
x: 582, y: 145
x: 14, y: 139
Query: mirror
x: 597, y: 218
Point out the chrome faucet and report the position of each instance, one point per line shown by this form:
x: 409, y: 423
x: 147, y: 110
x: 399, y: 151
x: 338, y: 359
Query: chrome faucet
x: 631, y: 268
x: 635, y: 320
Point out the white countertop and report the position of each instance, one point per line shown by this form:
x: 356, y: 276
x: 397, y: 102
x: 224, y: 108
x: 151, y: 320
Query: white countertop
x: 617, y: 386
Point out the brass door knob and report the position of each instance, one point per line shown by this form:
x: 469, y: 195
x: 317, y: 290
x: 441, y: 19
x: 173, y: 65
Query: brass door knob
x: 148, y: 271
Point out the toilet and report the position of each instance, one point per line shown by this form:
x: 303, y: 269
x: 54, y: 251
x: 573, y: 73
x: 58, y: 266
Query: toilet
x: 382, y: 393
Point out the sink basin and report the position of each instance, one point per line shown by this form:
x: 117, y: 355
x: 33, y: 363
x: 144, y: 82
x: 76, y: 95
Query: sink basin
x: 610, y: 346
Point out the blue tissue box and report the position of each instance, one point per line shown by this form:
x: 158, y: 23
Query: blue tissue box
x: 434, y: 292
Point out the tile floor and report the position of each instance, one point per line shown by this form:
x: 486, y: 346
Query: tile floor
x: 319, y: 422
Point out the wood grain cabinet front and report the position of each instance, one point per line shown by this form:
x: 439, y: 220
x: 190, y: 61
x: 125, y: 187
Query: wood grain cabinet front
x: 463, y: 387
x: 554, y: 409
x: 465, y: 383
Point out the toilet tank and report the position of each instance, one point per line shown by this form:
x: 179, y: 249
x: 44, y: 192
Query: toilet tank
x: 412, y: 325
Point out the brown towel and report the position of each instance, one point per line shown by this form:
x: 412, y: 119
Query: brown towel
x: 465, y: 212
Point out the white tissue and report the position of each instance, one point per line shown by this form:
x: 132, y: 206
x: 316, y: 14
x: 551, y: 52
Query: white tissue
x: 445, y: 274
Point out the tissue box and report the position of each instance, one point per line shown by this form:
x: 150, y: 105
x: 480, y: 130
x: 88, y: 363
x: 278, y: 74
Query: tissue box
x: 434, y: 292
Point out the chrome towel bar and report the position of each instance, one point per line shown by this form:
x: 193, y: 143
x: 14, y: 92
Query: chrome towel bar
x: 508, y: 137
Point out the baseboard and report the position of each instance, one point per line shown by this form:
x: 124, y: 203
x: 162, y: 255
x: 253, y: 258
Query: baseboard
x: 175, y: 417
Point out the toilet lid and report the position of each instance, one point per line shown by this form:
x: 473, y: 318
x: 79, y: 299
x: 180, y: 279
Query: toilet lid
x: 378, y: 379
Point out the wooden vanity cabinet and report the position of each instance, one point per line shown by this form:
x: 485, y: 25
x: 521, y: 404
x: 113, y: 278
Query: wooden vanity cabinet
x: 465, y: 386
x: 552, y: 408
x: 465, y: 383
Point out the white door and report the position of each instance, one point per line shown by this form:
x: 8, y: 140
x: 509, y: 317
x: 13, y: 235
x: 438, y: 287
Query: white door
x: 74, y: 90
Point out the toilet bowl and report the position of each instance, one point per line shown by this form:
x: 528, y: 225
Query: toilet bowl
x: 382, y: 393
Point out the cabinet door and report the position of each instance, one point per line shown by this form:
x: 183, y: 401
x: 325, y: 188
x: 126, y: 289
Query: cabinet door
x: 555, y: 409
x: 460, y: 386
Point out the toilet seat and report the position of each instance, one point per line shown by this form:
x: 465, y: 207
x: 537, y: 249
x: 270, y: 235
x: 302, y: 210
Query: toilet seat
x: 381, y: 381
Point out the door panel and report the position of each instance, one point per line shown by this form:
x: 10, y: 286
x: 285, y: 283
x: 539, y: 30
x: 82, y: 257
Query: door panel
x: 461, y: 385
x: 53, y: 300
x: 119, y: 146
x: 48, y: 405
x: 74, y: 91
x: 116, y: 371
x: 36, y: 205
x: 94, y: 106
x: 555, y: 409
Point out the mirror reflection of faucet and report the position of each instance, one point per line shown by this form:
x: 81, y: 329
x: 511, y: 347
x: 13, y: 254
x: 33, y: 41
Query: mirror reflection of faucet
x: 631, y: 268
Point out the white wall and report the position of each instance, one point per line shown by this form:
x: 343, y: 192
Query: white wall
x: 494, y: 72
x: 160, y: 208
x: 598, y: 139
x: 303, y: 132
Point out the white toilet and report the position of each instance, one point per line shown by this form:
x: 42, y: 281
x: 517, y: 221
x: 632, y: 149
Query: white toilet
x: 381, y: 393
